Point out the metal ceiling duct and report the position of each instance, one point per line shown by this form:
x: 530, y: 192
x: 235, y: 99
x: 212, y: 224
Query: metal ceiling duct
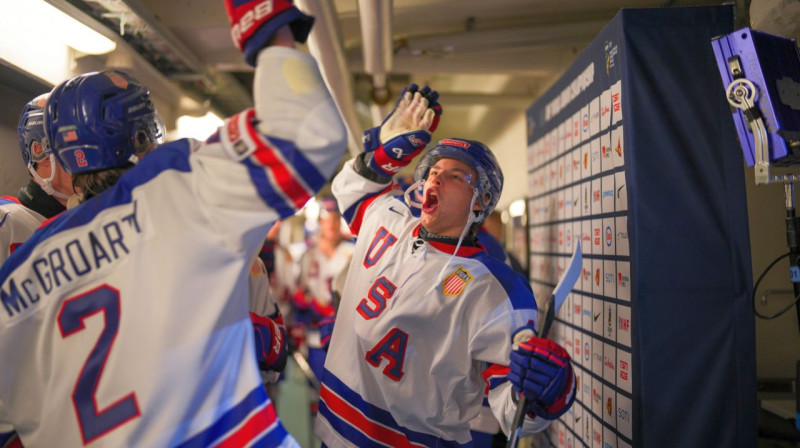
x: 325, y: 45
x: 376, y: 37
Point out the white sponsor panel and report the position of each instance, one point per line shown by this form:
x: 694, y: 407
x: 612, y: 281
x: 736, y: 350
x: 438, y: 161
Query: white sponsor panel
x: 585, y: 128
x: 618, y: 146
x: 609, y: 407
x: 586, y: 159
x: 621, y: 240
x: 576, y: 129
x: 610, y: 325
x: 609, y: 363
x: 605, y: 110
x: 597, y: 276
x: 597, y: 237
x: 586, y: 199
x: 624, y: 371
x: 625, y: 416
x: 606, y: 162
x: 598, y: 306
x: 609, y: 280
x: 596, y: 154
x: 620, y: 192
x: 594, y: 116
x: 624, y: 280
x: 607, y: 194
x: 624, y: 325
x: 597, y: 433
x: 616, y: 102
x: 597, y: 356
x: 609, y: 438
x: 609, y: 237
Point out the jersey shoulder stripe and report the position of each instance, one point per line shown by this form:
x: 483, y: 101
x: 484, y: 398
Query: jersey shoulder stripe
x: 516, y: 286
x: 8, y: 200
x: 266, y: 191
x: 171, y: 156
x: 354, y: 215
x: 366, y: 425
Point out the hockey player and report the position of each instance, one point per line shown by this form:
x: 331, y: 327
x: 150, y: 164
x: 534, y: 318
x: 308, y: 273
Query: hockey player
x: 328, y: 253
x: 126, y: 318
x: 47, y: 191
x: 426, y: 319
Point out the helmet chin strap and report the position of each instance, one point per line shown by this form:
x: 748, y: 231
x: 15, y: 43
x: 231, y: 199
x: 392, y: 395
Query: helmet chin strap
x: 46, y: 184
x: 471, y: 219
x: 409, y: 190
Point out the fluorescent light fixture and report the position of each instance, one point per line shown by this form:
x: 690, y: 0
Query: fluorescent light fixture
x: 62, y: 27
x: 37, y: 36
x: 198, y: 128
x: 517, y: 208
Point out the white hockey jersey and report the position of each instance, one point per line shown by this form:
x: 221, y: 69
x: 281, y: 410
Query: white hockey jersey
x: 317, y: 272
x: 17, y: 224
x: 412, y: 352
x: 124, y: 322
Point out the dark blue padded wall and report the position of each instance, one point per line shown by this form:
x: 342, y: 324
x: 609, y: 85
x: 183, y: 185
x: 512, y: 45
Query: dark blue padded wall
x: 632, y: 153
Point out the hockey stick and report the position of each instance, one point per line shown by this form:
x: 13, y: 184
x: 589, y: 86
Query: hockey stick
x: 306, y: 369
x: 551, y: 307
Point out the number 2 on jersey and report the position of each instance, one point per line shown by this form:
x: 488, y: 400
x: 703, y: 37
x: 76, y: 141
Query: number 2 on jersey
x: 95, y: 422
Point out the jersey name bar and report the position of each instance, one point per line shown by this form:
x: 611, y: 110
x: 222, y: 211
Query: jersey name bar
x: 57, y: 267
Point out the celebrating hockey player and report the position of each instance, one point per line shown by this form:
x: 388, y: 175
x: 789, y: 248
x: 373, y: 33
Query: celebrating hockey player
x: 426, y: 319
x: 126, y: 318
x: 47, y: 191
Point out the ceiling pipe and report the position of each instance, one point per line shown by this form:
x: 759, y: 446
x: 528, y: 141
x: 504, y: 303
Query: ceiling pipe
x: 376, y: 36
x: 325, y: 45
x: 375, y: 17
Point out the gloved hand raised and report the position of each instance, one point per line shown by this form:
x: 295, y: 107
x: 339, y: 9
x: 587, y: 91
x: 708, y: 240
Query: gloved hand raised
x: 405, y: 132
x: 255, y: 22
x: 541, y: 370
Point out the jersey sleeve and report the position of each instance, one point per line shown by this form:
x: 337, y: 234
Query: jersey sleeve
x: 17, y: 224
x: 283, y: 150
x: 261, y: 300
x: 491, y: 343
x: 355, y: 192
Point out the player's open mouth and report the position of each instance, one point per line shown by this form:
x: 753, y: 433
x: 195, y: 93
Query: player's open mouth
x: 431, y: 201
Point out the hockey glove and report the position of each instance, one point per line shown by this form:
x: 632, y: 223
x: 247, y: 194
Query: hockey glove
x: 254, y: 23
x: 405, y: 132
x: 325, y: 331
x: 541, y: 370
x: 271, y: 346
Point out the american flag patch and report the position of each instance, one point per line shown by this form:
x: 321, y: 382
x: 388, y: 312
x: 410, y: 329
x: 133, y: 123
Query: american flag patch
x: 453, y: 284
x: 70, y: 136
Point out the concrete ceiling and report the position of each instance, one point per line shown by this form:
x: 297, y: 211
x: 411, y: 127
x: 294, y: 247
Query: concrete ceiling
x: 488, y: 59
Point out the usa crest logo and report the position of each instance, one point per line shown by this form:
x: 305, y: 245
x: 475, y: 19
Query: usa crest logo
x: 453, y: 284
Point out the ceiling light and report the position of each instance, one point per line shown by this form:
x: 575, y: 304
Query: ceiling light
x: 198, y: 128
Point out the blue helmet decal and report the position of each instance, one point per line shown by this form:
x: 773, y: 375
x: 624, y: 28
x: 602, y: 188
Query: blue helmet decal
x: 30, y: 131
x: 489, y: 182
x: 100, y: 120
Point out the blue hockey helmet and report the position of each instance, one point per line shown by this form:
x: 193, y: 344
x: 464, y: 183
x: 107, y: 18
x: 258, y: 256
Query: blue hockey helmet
x: 100, y: 120
x: 489, y: 183
x: 30, y: 131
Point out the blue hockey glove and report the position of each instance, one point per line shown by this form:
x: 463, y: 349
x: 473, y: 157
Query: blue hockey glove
x: 405, y: 132
x: 254, y: 23
x: 271, y: 346
x: 325, y: 331
x: 541, y: 370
